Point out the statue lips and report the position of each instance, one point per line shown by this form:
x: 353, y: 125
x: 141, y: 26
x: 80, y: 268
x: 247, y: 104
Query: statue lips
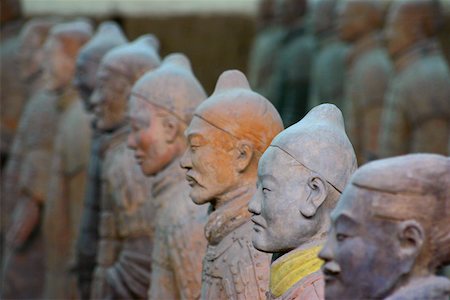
x: 330, y: 272
x: 258, y: 224
x: 191, y: 180
x: 139, y: 159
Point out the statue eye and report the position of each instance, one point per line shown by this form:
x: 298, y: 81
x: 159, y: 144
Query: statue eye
x: 341, y: 237
x: 265, y: 190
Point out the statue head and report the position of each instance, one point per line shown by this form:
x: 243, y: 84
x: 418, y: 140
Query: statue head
x: 324, y: 16
x: 161, y: 106
x: 358, y: 18
x: 300, y: 178
x: 60, y: 52
x: 390, y: 225
x: 30, y: 55
x: 289, y: 12
x: 226, y: 137
x: 108, y: 36
x: 266, y: 13
x: 119, y: 69
x: 410, y: 22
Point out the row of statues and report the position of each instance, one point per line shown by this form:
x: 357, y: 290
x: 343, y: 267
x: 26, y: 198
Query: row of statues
x: 379, y: 62
x: 125, y: 180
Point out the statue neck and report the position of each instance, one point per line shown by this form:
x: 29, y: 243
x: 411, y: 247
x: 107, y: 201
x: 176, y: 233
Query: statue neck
x: 294, y: 266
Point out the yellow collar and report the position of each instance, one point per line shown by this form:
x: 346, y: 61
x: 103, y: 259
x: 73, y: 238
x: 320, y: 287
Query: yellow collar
x: 293, y: 267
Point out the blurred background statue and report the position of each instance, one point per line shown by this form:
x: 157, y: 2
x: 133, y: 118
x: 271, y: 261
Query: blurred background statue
x: 125, y: 227
x: 69, y: 170
x: 416, y: 114
x: 328, y: 69
x: 162, y: 104
x: 293, y: 63
x: 28, y: 56
x: 368, y: 73
x: 24, y: 265
x: 109, y: 36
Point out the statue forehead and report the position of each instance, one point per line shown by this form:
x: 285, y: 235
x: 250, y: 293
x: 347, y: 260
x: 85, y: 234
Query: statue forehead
x: 354, y: 203
x: 139, y: 110
x: 276, y: 162
x: 200, y: 127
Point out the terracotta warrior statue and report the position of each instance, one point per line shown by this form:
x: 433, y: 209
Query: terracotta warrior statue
x: 265, y: 45
x: 390, y: 231
x: 109, y: 36
x: 368, y: 73
x: 328, y: 67
x: 161, y: 107
x: 126, y: 206
x: 300, y: 178
x: 293, y: 64
x: 69, y: 169
x: 25, y: 239
x: 226, y: 137
x: 28, y: 60
x: 416, y: 115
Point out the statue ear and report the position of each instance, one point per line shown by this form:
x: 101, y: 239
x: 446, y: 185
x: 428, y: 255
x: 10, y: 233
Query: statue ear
x: 317, y: 195
x: 244, y: 155
x: 411, y: 236
x: 411, y: 239
x: 170, y: 125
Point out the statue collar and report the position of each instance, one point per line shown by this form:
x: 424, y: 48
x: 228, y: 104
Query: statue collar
x: 229, y: 216
x: 169, y: 176
x: 293, y: 267
x: 415, y: 53
x: 363, y: 46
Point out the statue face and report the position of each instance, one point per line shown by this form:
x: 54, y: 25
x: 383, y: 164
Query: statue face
x: 109, y: 99
x: 362, y: 254
x: 58, y: 68
x: 84, y: 80
x: 148, y: 138
x: 209, y: 162
x: 352, y: 21
x: 30, y: 56
x: 398, y: 33
x: 281, y: 190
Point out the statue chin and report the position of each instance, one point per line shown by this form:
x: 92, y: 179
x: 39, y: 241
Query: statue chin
x: 197, y: 196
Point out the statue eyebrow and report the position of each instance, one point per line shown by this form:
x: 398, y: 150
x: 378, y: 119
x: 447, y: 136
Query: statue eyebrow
x: 268, y: 177
x: 345, y: 218
x: 194, y: 135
